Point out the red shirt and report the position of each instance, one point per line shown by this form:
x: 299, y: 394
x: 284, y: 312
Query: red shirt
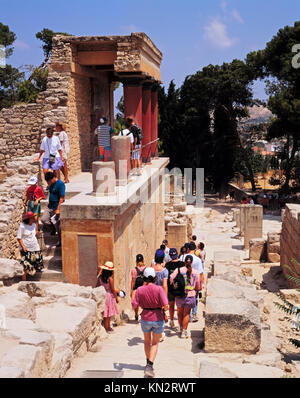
x: 150, y: 296
x: 34, y: 193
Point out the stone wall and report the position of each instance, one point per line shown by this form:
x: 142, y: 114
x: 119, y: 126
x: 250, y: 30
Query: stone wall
x: 12, y: 196
x: 290, y: 238
x: 47, y: 326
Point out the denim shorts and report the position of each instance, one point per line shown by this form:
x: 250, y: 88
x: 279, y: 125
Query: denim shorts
x: 155, y: 327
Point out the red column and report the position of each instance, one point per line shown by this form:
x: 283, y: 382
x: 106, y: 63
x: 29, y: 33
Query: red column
x: 154, y: 114
x: 147, y: 123
x: 133, y: 101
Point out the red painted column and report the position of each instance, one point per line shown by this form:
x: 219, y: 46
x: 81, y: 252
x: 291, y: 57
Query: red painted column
x: 133, y: 101
x: 147, y: 123
x: 154, y: 121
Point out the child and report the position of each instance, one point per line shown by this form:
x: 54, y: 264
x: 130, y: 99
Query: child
x: 106, y: 279
x: 34, y: 195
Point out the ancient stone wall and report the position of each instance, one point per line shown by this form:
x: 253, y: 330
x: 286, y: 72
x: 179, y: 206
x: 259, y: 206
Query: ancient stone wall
x: 12, y: 196
x: 290, y: 238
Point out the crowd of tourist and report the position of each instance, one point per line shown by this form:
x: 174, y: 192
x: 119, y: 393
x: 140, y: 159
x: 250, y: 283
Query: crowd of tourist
x: 169, y: 282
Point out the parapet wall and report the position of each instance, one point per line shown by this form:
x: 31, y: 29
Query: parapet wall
x: 290, y: 239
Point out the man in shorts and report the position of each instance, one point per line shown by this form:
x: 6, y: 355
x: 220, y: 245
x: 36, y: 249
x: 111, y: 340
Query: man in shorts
x: 137, y: 146
x: 104, y: 140
x: 153, y: 300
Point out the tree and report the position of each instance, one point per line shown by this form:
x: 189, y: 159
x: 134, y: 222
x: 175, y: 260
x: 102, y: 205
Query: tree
x: 28, y: 90
x: 6, y: 39
x: 276, y: 62
x: 46, y: 36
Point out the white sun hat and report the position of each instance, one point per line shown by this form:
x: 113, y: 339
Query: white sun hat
x: 32, y: 181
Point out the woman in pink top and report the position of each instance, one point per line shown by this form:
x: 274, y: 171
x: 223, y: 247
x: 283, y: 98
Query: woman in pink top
x: 106, y: 279
x: 192, y: 288
x: 154, y: 301
x: 137, y: 279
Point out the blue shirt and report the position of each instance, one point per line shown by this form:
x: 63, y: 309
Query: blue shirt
x: 57, y: 191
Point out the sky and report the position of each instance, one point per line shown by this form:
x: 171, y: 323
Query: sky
x: 190, y: 33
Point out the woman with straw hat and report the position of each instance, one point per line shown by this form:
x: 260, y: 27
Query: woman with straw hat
x: 106, y: 279
x: 31, y: 256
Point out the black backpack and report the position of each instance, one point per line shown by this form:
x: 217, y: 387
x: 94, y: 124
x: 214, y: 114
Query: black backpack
x: 179, y: 285
x: 137, y: 132
x: 139, y: 281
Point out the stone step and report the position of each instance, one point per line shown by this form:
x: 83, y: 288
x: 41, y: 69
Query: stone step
x: 47, y: 275
x: 52, y: 263
x: 51, y: 250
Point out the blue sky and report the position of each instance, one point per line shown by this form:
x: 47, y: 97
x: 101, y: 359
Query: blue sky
x: 191, y: 34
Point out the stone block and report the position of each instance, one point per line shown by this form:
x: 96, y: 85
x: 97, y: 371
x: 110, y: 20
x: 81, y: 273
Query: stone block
x: 11, y: 372
x: 18, y: 305
x: 27, y: 357
x: 177, y: 233
x: 258, y: 249
x: 253, y: 222
x: 274, y: 248
x: 39, y: 339
x: 247, y: 371
x: 62, y: 356
x: 99, y: 295
x: 61, y: 318
x: 274, y: 257
x: 232, y: 325
x: 211, y: 370
x: 179, y: 207
x: 10, y: 269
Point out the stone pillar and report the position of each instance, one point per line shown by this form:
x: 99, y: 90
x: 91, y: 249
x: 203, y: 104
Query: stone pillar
x: 104, y: 178
x: 177, y: 235
x: 154, y: 114
x: 253, y: 223
x: 147, y: 121
x: 133, y: 99
x: 120, y: 150
x: 242, y: 219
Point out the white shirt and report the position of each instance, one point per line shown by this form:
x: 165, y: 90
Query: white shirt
x: 51, y: 145
x: 28, y: 235
x: 197, y: 263
x: 126, y: 133
x: 64, y: 140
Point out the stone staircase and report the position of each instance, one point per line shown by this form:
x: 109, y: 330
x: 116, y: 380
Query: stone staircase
x: 52, y: 255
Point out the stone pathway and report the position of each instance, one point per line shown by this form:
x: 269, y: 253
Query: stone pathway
x: 177, y: 358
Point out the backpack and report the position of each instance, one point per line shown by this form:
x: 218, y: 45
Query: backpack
x: 137, y: 132
x: 179, y: 285
x: 139, y: 281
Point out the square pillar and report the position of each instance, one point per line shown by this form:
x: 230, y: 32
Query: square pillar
x: 133, y: 100
x: 253, y: 223
x: 154, y: 114
x: 147, y: 123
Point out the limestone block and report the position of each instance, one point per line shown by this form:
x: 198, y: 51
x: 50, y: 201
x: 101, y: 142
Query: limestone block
x: 18, y: 305
x: 10, y: 268
x: 76, y: 321
x: 79, y: 302
x: 62, y: 356
x: 258, y: 249
x: 234, y: 277
x: 32, y: 289
x: 177, y: 233
x: 274, y: 257
x: 99, y: 295
x: 10, y: 372
x: 232, y: 325
x: 27, y: 357
x: 219, y: 288
x: 239, y: 370
x: 39, y: 339
x: 273, y: 237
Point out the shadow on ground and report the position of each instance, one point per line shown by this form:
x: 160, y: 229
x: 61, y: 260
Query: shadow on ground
x: 197, y: 337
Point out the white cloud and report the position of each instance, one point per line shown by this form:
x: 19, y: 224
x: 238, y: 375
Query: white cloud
x: 21, y: 45
x: 237, y: 16
x: 216, y: 33
x: 224, y: 5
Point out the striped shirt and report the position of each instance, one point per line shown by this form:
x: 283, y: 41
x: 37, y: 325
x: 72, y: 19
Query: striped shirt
x: 104, y: 133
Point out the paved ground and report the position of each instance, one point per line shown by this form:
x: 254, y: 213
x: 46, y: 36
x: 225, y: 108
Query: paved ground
x: 177, y: 358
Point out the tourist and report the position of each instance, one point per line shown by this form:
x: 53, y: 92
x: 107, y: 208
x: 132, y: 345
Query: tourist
x: 171, y: 266
x: 137, y: 279
x: 198, y: 267
x: 161, y: 273
x: 183, y: 252
x: 244, y: 201
x: 201, y: 253
x: 153, y: 300
x: 106, y: 279
x: 31, y: 256
x: 53, y: 157
x: 127, y: 133
x: 194, y: 239
x: 167, y: 257
x: 251, y: 201
x: 104, y: 132
x: 51, y: 215
x: 265, y: 203
x: 34, y: 195
x: 188, y: 302
x: 137, y: 145
x: 64, y: 141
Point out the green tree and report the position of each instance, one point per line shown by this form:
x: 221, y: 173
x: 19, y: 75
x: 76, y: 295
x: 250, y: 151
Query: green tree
x: 276, y: 63
x: 7, y: 38
x: 46, y: 36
